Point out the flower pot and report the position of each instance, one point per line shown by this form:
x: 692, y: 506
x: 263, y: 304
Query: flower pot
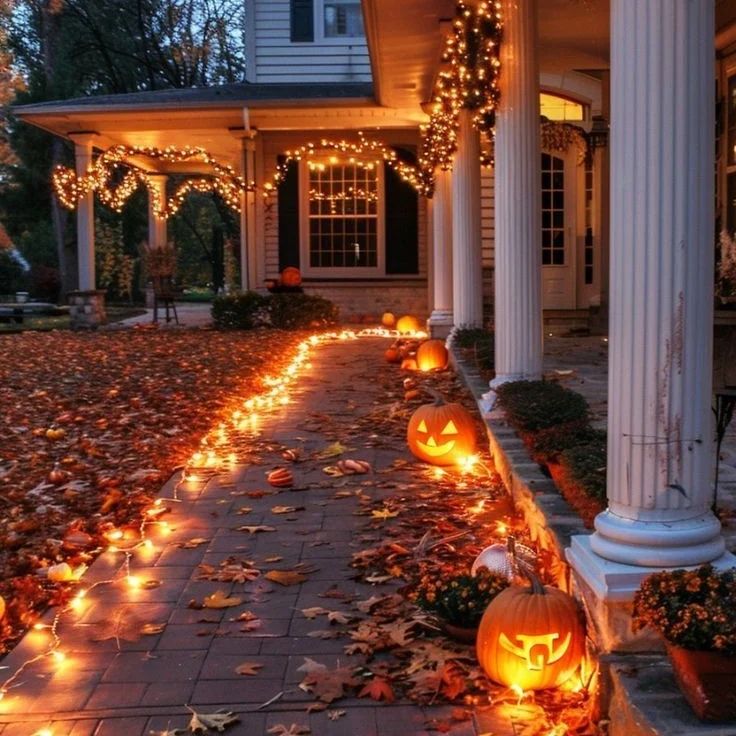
x: 707, y: 680
x: 460, y: 633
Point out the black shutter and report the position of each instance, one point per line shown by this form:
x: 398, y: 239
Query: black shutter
x: 302, y: 20
x: 289, y: 216
x: 402, y: 235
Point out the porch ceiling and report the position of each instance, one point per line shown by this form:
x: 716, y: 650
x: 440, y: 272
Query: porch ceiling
x: 405, y: 40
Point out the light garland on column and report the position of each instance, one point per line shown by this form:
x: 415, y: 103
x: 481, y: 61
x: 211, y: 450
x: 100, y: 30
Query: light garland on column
x: 223, y: 180
x: 469, y: 81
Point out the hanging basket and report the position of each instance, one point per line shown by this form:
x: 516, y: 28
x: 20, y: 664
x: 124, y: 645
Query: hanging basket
x: 707, y: 680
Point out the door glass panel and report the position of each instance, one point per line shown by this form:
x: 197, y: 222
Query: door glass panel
x: 553, y: 211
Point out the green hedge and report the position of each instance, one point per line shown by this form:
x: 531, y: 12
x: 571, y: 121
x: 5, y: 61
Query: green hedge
x: 547, y: 444
x: 534, y: 405
x: 249, y: 309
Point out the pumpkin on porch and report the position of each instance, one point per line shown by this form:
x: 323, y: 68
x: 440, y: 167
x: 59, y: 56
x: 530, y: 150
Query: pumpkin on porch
x: 441, y: 434
x: 388, y: 319
x: 392, y: 355
x: 291, y: 276
x: 408, y: 324
x: 432, y: 355
x: 2, y: 608
x: 532, y: 637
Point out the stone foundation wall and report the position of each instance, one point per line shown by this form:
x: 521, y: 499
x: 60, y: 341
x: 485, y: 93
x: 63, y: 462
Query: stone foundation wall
x: 87, y: 309
x: 366, y: 301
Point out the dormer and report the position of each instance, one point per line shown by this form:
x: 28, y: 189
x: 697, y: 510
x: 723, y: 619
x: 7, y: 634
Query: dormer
x: 306, y: 41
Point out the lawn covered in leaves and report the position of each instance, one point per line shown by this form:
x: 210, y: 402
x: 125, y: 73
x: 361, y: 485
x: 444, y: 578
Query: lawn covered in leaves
x: 93, y: 424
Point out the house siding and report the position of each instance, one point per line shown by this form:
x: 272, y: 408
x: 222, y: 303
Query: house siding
x: 277, y: 59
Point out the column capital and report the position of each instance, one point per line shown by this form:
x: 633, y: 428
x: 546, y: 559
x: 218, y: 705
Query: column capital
x: 87, y: 138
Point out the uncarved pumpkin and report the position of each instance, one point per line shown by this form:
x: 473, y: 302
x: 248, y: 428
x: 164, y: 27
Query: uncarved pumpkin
x: 408, y: 324
x: 392, y: 355
x: 2, y: 608
x: 532, y: 637
x: 441, y: 434
x: 388, y: 319
x: 409, y: 364
x: 291, y: 276
x: 432, y: 355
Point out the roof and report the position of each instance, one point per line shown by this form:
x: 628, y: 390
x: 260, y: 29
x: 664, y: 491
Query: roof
x: 227, y: 95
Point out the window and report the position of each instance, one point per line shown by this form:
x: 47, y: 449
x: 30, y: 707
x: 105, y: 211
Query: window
x: 343, y: 217
x: 553, y: 211
x: 342, y: 19
x: 556, y: 107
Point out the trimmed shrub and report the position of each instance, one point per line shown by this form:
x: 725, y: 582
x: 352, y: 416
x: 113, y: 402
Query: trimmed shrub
x: 586, y: 465
x: 534, y: 405
x: 249, y: 309
x: 547, y: 444
x: 478, y: 343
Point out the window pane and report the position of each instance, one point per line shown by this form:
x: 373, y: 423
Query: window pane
x: 343, y: 19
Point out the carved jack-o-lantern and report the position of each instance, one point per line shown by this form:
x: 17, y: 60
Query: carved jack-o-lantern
x: 532, y: 637
x: 432, y: 355
x: 291, y: 276
x: 441, y: 434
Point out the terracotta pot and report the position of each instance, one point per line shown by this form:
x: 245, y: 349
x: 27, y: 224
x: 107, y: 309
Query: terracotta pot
x: 707, y: 680
x: 460, y: 633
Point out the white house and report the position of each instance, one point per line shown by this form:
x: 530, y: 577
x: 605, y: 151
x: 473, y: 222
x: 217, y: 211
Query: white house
x: 561, y: 221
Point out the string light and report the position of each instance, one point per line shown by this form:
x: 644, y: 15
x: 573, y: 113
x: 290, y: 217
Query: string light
x: 114, y: 177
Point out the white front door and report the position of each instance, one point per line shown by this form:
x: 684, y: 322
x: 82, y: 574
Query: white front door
x: 558, y: 230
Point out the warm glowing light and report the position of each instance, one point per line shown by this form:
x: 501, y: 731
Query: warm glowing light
x: 44, y: 732
x: 133, y: 581
x: 502, y: 528
x: 518, y: 691
x: 478, y: 508
x: 114, y: 534
x: 58, y: 657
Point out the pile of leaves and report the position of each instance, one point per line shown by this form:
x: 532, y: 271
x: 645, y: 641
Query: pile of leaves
x: 93, y: 425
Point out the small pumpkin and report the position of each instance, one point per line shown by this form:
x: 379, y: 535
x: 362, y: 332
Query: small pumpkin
x: 531, y: 636
x: 281, y: 478
x: 432, y: 355
x: 408, y: 324
x: 291, y: 276
x: 2, y: 608
x: 441, y: 433
x: 392, y: 355
x: 388, y: 320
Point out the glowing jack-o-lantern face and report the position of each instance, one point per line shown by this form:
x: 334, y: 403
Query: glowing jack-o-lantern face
x: 531, y: 637
x: 441, y: 434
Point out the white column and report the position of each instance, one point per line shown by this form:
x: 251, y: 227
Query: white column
x: 83, y: 144
x: 440, y: 321
x: 247, y: 214
x: 467, y: 263
x: 660, y: 443
x: 518, y: 251
x: 157, y: 234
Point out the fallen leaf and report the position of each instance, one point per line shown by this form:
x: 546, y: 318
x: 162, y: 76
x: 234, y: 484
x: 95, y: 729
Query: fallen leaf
x: 286, y: 509
x: 310, y: 665
x: 220, y: 599
x: 312, y: 613
x: 383, y: 514
x: 274, y: 558
x: 248, y: 668
x: 337, y: 617
x: 152, y: 629
x: 285, y: 577
x: 333, y: 450
x: 256, y: 529
x: 333, y: 715
x: 294, y: 729
x: 192, y: 543
x: 378, y: 689
x: 219, y: 720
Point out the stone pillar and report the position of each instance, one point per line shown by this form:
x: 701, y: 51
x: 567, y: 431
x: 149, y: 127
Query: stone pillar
x: 85, y: 214
x: 247, y: 215
x: 467, y: 262
x: 440, y: 321
x: 157, y: 235
x: 518, y: 249
x: 660, y: 443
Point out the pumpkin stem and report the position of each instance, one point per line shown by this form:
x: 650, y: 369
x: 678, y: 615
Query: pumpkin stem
x: 438, y: 399
x: 536, y: 585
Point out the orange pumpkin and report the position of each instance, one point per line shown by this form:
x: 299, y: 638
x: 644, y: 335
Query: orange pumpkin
x: 408, y: 324
x: 432, y: 355
x: 281, y: 478
x: 409, y: 364
x: 2, y: 608
x: 291, y: 276
x: 392, y: 355
x: 441, y: 434
x: 388, y: 319
x: 532, y: 637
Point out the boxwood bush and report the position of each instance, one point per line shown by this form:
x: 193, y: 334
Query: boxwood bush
x: 249, y: 309
x: 534, y: 405
x: 586, y: 465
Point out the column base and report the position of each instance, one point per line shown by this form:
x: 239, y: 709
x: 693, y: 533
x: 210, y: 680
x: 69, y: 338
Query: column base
x: 608, y: 589
x: 440, y: 323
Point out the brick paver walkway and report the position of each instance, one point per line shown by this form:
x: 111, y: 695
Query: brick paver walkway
x: 128, y: 688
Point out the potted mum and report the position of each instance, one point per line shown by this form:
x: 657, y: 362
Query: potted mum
x: 457, y: 599
x: 695, y: 612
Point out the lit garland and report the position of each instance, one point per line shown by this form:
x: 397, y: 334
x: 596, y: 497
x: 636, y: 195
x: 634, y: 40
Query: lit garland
x: 365, y: 152
x: 561, y: 136
x: 468, y: 81
x: 70, y: 188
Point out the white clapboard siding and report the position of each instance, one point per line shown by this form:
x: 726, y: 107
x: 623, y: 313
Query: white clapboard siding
x: 278, y: 60
x: 487, y: 215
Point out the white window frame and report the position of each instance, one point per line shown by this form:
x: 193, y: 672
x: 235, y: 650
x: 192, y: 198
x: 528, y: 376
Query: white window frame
x: 354, y: 272
x: 319, y: 28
